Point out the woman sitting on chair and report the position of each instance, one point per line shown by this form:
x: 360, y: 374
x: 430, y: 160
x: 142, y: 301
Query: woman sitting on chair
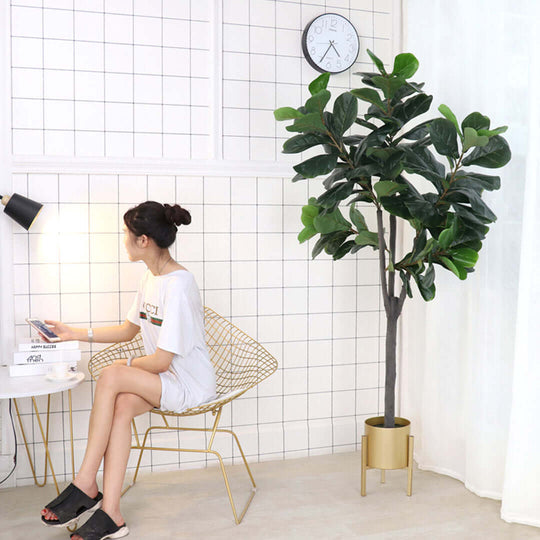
x: 175, y: 374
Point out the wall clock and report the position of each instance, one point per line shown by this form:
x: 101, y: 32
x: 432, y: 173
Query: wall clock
x: 330, y: 43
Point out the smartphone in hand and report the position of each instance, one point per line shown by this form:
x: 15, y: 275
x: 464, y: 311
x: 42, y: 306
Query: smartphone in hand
x: 43, y: 330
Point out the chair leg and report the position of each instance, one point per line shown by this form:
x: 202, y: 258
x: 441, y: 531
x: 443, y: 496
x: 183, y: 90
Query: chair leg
x: 208, y: 450
x: 143, y: 448
x: 237, y: 519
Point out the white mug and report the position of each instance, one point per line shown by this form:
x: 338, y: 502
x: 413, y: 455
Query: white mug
x: 59, y: 370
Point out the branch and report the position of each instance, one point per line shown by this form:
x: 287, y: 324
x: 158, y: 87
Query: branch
x: 382, y: 261
x: 392, y: 274
x: 401, y: 299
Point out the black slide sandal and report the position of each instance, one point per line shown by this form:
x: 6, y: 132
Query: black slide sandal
x: 99, y: 527
x: 70, y: 505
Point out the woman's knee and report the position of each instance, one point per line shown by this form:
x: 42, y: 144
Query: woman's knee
x: 108, y: 377
x: 125, y: 406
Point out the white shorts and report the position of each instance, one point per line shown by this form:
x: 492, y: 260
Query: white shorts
x: 174, y: 396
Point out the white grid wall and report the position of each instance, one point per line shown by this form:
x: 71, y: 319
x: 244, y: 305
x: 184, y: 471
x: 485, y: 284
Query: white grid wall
x: 323, y: 320
x: 263, y: 65
x: 111, y: 78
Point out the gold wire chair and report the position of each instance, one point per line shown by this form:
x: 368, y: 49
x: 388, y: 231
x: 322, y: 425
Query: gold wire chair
x: 240, y: 364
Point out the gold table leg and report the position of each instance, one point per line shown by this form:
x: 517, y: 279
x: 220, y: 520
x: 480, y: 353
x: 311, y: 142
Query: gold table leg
x: 45, y: 439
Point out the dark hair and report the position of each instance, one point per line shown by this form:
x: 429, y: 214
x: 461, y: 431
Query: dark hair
x: 157, y: 221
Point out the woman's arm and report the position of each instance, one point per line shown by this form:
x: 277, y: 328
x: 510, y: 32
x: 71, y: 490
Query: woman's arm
x: 107, y: 334
x: 154, y: 363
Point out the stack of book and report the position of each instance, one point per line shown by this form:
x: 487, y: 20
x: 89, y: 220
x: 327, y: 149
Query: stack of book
x: 39, y: 358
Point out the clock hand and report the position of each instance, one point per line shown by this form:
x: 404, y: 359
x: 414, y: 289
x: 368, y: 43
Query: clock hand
x: 325, y: 52
x: 332, y: 45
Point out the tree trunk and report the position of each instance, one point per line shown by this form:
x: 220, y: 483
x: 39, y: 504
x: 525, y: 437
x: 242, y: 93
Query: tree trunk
x: 392, y: 307
x: 390, y: 381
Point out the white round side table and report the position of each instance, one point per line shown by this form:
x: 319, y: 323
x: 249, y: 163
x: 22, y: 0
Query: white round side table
x: 21, y: 387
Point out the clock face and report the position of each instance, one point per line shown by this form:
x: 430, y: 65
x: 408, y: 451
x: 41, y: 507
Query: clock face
x: 330, y: 43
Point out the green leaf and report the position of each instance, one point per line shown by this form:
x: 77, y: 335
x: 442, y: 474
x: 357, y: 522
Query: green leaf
x: 492, y: 132
x: 417, y: 132
x: 319, y: 245
x: 317, y: 165
x: 396, y: 206
x: 377, y: 61
x: 429, y: 277
x: 421, y: 161
x: 369, y: 95
x: 494, y: 155
x: 476, y: 121
x: 337, y: 193
x: 331, y: 222
x: 299, y: 143
x: 413, y: 107
x: 444, y: 137
x: 358, y: 219
x: 424, y: 211
x: 344, y: 249
x: 317, y: 102
x: 456, y: 268
x: 408, y: 89
x: 287, y: 113
x: 389, y: 84
x: 405, y: 65
x: 335, y: 241
x: 406, y: 283
x: 345, y: 113
x: 308, y: 123
x: 309, y: 212
x: 366, y: 238
x: 336, y: 175
x: 385, y: 188
x: 462, y: 194
x: 466, y: 257
x: 448, y: 114
x: 478, y: 181
x: 471, y: 138
x: 446, y: 238
x: 320, y: 83
x: 306, y: 234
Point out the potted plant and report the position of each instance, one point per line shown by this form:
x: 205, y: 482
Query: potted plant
x: 449, y: 221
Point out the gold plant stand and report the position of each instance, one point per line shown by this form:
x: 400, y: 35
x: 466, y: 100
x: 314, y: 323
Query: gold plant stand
x: 387, y: 449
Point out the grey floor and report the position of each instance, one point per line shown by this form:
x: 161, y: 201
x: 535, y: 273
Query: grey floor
x: 308, y: 498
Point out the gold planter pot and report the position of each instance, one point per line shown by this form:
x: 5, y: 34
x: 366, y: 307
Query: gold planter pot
x: 387, y: 448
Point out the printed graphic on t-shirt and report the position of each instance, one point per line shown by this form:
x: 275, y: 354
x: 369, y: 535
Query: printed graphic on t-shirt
x: 151, y: 313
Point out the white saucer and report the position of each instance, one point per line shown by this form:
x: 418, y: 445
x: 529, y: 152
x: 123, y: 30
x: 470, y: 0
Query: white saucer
x: 58, y: 378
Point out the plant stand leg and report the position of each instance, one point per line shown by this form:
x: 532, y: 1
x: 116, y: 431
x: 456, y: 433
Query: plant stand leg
x: 383, y: 476
x: 410, y: 465
x: 364, y: 465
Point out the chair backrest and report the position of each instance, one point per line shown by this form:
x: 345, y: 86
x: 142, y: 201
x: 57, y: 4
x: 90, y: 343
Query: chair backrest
x: 240, y: 362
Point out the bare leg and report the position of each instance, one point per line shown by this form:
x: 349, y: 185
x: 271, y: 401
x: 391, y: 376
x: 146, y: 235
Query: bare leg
x: 114, y: 380
x: 127, y: 406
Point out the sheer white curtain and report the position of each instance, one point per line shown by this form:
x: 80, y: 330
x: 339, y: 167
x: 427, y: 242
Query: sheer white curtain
x: 471, y: 366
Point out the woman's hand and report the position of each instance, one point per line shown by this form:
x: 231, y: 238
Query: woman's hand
x: 63, y: 331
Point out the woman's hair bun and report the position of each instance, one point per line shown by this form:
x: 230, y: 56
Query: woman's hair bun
x: 177, y: 215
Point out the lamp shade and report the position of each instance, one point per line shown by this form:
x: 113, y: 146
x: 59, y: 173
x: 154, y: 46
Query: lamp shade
x: 22, y: 210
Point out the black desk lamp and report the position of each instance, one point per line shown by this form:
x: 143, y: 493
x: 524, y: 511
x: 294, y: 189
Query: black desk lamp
x: 24, y: 211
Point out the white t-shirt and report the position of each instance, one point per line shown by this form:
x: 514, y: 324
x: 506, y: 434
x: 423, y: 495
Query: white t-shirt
x: 169, y: 311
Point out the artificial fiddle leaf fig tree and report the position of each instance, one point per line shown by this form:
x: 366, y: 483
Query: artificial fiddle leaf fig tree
x: 450, y: 220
